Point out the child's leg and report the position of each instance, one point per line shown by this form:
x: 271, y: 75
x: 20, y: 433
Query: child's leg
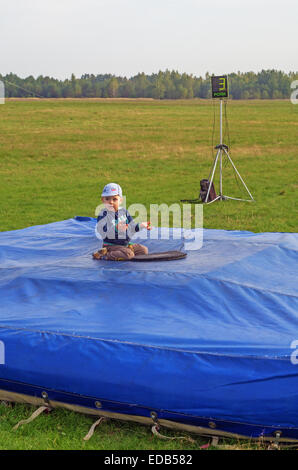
x: 119, y: 253
x: 139, y: 249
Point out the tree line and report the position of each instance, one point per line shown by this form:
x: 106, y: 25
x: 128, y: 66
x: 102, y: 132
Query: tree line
x: 267, y: 84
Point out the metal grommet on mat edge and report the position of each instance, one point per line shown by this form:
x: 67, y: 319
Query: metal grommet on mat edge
x: 45, y: 396
x: 153, y: 415
x: 212, y: 424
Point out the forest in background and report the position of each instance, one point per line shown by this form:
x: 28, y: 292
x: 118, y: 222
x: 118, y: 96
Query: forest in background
x: 267, y: 84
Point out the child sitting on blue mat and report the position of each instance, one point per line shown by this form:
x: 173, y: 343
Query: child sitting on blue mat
x: 116, y: 227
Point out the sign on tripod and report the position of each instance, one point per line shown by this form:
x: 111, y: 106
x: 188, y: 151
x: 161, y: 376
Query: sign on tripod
x: 219, y: 86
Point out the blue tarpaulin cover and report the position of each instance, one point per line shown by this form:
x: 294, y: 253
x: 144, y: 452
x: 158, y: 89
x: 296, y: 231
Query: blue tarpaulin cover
x: 211, y: 337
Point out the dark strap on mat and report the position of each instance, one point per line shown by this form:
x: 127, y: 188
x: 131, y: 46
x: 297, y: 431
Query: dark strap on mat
x: 164, y: 256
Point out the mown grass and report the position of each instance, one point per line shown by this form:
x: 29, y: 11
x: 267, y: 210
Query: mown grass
x: 55, y: 157
x: 65, y: 430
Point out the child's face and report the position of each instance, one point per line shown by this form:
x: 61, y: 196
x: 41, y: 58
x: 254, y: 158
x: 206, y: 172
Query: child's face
x: 112, y: 203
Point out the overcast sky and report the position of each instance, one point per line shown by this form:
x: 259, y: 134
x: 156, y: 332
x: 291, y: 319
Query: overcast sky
x: 124, y: 37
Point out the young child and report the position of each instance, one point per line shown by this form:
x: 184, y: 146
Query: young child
x: 116, y: 227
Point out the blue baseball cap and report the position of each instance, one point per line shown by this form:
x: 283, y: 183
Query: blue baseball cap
x: 111, y: 189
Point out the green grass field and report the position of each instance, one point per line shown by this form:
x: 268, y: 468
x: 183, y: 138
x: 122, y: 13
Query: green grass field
x: 56, y: 155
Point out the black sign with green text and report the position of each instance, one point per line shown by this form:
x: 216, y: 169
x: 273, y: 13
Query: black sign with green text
x: 219, y: 86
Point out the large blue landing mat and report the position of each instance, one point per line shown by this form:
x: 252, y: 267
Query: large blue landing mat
x: 208, y: 340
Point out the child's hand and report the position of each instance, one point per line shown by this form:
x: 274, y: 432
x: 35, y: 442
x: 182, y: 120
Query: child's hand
x: 146, y: 225
x: 122, y: 227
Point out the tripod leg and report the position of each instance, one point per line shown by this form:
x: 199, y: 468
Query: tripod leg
x: 237, y: 173
x: 212, y: 166
x: 213, y: 171
x: 220, y: 173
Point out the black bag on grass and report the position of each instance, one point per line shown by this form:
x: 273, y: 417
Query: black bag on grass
x: 204, y: 190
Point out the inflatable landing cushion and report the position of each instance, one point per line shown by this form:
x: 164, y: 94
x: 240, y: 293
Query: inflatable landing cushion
x: 208, y: 341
